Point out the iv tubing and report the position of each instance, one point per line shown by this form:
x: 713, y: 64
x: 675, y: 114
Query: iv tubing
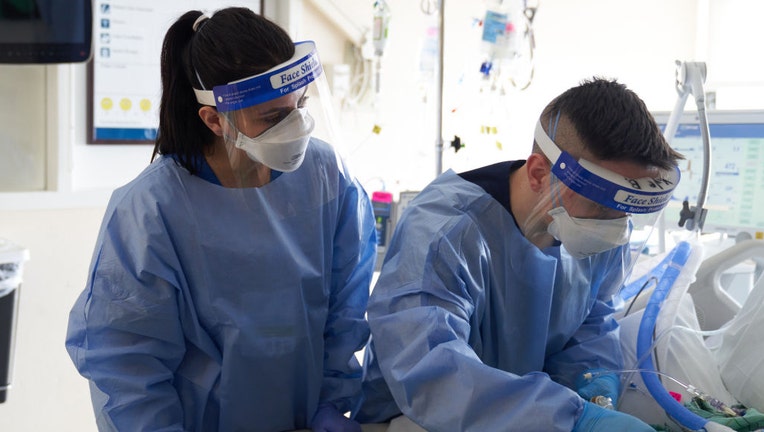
x: 655, y: 343
x: 721, y: 406
x: 644, y: 341
x: 592, y: 375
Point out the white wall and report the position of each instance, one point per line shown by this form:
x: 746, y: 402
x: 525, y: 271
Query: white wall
x: 636, y: 41
x: 47, y: 393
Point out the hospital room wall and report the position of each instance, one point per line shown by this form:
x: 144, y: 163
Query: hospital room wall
x: 635, y: 41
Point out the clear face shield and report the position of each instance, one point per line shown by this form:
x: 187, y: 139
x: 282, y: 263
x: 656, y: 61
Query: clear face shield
x: 593, y: 210
x: 270, y: 119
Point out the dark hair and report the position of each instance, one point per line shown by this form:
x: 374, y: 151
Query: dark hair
x: 232, y: 44
x: 613, y: 123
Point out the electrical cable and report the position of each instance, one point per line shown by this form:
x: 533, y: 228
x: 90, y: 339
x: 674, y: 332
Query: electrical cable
x: 636, y: 296
x: 528, y: 15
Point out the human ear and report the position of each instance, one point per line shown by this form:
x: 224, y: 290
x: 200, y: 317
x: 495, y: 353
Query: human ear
x: 212, y: 118
x: 538, y: 169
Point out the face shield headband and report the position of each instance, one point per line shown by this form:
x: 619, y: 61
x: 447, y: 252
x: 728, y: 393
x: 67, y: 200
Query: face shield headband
x: 294, y: 74
x: 605, y: 187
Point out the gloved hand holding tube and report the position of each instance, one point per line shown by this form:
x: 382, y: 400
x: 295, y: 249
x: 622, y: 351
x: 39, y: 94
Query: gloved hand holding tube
x: 328, y: 419
x: 597, y: 382
x: 594, y: 418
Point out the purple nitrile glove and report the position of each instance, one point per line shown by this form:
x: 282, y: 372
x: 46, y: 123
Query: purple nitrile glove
x: 328, y: 419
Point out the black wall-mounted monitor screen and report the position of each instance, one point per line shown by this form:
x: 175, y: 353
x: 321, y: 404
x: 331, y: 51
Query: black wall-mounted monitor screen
x: 45, y: 31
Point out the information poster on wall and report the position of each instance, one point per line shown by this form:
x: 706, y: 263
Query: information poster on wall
x: 124, y: 83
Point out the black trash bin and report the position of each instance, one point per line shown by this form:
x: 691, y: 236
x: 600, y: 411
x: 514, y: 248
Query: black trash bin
x: 12, y: 258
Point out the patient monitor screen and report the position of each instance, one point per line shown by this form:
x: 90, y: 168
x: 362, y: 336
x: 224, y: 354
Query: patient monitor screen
x: 735, y: 199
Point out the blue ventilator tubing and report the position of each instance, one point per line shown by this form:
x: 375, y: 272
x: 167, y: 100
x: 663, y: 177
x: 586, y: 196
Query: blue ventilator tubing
x: 634, y: 287
x: 645, y: 341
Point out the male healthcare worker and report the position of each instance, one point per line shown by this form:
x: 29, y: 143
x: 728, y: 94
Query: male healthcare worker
x: 498, y: 289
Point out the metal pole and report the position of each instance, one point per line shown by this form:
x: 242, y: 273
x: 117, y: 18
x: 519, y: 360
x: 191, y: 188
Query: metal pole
x: 439, y: 91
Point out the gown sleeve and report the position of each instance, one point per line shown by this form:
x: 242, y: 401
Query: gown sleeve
x: 596, y: 343
x: 347, y: 330
x: 419, y: 315
x: 124, y: 333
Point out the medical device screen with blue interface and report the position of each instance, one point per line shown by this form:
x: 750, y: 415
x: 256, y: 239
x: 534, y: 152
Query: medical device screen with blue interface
x: 735, y: 200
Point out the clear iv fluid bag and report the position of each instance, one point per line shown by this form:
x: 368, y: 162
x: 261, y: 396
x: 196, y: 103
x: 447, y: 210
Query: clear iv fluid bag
x: 499, y: 39
x: 381, y: 26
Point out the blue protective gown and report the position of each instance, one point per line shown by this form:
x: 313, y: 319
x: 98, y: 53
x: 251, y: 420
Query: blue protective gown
x: 209, y: 308
x: 476, y: 329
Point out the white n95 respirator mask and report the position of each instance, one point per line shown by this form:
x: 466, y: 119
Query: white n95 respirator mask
x: 282, y: 147
x: 586, y: 237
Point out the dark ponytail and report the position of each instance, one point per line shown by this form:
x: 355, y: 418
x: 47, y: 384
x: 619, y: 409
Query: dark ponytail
x: 181, y: 131
x: 234, y: 43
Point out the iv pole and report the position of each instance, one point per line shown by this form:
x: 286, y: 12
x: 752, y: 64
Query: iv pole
x: 690, y: 77
x: 439, y: 90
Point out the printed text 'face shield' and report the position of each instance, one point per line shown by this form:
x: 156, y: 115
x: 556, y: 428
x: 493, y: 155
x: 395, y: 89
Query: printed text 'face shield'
x: 593, y: 209
x: 272, y: 118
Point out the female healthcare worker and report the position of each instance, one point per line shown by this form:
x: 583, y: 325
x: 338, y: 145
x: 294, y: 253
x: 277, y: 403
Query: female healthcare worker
x: 229, y: 280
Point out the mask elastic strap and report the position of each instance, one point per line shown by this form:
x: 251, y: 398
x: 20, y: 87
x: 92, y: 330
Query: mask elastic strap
x: 231, y: 124
x: 554, y: 185
x: 554, y: 182
x: 553, y: 128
